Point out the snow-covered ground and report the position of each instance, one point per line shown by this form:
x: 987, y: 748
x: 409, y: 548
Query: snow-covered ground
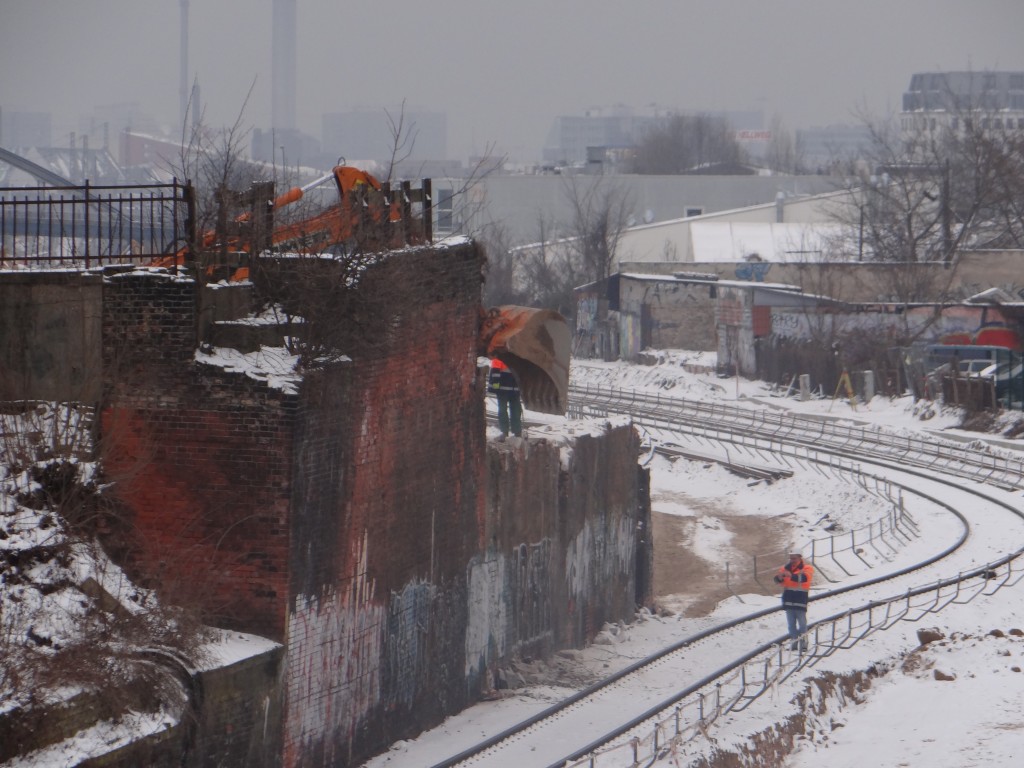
x: 956, y: 702
x: 67, y: 612
x: 908, y: 717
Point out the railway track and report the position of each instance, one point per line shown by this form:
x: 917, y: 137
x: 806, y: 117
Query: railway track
x: 688, y: 687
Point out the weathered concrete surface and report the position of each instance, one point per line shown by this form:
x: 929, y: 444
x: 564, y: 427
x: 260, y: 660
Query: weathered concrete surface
x: 50, y: 336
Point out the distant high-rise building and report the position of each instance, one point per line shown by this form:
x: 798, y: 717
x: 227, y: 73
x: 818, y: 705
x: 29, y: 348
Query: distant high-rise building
x: 948, y: 99
x: 286, y: 148
x: 19, y: 130
x: 618, y: 127
x: 827, y: 148
x: 614, y: 128
x: 368, y: 134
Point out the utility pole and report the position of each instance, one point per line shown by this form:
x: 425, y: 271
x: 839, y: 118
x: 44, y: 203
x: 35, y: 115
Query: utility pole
x: 947, y: 224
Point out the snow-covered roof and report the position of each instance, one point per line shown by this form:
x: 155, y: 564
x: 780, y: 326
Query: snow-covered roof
x: 709, y: 278
x: 779, y: 242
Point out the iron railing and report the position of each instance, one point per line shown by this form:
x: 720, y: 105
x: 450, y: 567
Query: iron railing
x: 695, y: 710
x: 92, y: 226
x: 692, y: 712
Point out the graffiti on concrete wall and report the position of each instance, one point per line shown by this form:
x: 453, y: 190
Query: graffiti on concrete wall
x: 333, y: 666
x: 410, y: 614
x: 586, y: 312
x: 487, y: 619
x: 531, y: 594
x: 510, y: 604
x: 955, y: 325
x: 630, y: 336
x: 597, y: 555
x: 755, y: 271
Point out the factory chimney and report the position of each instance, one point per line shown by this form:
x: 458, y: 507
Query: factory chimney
x: 284, y: 81
x: 183, y: 89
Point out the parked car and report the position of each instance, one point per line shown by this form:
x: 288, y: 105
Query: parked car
x: 982, y: 368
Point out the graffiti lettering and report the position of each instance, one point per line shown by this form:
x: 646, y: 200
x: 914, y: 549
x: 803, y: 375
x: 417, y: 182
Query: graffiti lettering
x: 756, y: 271
x: 785, y: 322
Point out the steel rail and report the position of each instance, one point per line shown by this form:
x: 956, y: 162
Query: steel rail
x: 782, y: 668
x: 989, y: 571
x: 988, y: 467
x: 890, y: 617
x: 558, y: 709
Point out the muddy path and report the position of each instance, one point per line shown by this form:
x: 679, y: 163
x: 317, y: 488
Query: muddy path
x: 690, y: 552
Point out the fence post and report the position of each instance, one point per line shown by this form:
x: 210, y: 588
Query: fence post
x: 87, y: 265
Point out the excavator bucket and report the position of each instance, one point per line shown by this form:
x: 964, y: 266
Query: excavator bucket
x: 535, y: 344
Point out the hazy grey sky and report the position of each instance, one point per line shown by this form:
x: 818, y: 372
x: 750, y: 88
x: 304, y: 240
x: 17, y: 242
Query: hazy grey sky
x: 500, y: 70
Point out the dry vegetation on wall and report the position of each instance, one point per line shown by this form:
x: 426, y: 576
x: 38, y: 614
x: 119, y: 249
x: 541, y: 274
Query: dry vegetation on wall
x: 349, y: 304
x: 70, y: 620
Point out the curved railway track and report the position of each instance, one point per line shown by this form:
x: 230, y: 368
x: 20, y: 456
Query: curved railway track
x: 687, y: 685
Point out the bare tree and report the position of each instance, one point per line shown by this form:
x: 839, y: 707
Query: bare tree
x: 929, y: 188
x: 687, y: 143
x: 782, y: 153
x: 986, y: 180
x: 936, y: 185
x: 900, y: 209
x: 214, y: 161
x: 549, y: 270
x: 601, y: 212
x: 403, y: 139
x: 504, y: 282
x: 1008, y: 209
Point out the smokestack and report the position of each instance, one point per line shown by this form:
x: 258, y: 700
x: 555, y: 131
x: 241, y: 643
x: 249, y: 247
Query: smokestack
x: 283, y: 77
x: 183, y: 63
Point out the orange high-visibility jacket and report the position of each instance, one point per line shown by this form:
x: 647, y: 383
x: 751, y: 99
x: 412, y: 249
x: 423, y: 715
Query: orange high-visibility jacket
x: 796, y: 583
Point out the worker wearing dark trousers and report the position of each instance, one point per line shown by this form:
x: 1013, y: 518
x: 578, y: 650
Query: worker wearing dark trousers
x: 795, y: 578
x: 502, y: 382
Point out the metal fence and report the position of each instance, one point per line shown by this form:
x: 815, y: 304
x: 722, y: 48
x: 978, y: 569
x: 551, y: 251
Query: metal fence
x: 769, y: 432
x: 90, y: 226
x: 695, y: 711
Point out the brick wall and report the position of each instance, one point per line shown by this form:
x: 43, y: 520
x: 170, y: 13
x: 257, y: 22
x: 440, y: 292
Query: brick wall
x: 358, y: 516
x: 200, y: 456
x: 388, y: 488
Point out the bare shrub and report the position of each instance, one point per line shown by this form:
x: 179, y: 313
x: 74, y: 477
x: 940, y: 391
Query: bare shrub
x: 70, y: 618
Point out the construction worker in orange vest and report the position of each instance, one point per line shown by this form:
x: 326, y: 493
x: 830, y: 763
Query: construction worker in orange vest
x: 503, y: 383
x: 795, y: 578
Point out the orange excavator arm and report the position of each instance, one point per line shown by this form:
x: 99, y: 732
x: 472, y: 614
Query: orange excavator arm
x: 346, y: 177
x: 332, y: 226
x: 535, y: 344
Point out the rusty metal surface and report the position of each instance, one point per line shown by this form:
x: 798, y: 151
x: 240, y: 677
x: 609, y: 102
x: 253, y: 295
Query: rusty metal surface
x: 535, y: 344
